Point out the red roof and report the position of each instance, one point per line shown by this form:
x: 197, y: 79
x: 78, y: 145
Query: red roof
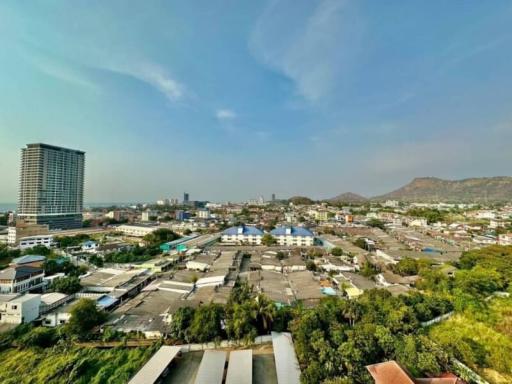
x: 389, y: 372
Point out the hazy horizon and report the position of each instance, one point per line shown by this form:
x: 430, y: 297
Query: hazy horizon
x: 232, y: 100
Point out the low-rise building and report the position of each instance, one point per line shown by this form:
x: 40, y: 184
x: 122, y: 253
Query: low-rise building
x: 14, y: 234
x: 293, y: 236
x: 243, y: 234
x: 89, y: 246
x: 16, y: 309
x: 20, y: 279
x: 137, y: 230
x: 30, y: 260
x: 32, y: 241
x: 148, y: 215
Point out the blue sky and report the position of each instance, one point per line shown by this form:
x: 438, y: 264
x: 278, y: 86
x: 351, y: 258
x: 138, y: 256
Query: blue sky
x: 230, y: 100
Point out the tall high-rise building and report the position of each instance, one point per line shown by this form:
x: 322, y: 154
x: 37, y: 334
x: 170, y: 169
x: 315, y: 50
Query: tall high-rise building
x: 51, y: 186
x: 185, y: 198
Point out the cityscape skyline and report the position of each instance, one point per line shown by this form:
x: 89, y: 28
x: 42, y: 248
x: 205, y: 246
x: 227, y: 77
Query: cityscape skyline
x: 332, y: 100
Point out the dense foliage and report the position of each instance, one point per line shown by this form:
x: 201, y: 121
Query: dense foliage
x: 494, y: 257
x: 85, y: 315
x: 72, y: 241
x: 135, y: 254
x: 63, y: 265
x: 338, y: 338
x: 267, y: 239
x: 432, y: 215
x: 68, y: 364
x: 481, y: 339
x: 410, y: 267
x: 162, y: 235
x: 6, y: 255
x: 244, y: 317
x: 67, y: 285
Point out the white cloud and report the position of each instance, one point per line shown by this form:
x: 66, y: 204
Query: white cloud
x: 62, y: 71
x: 225, y: 114
x: 317, y: 51
x: 153, y: 75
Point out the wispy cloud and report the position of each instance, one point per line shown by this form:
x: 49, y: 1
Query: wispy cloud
x: 316, y: 51
x: 62, y: 71
x: 153, y: 75
x: 225, y: 114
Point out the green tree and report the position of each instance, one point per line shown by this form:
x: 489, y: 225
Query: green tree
x: 206, y: 324
x: 265, y: 311
x: 268, y: 240
x: 160, y: 236
x: 85, y: 315
x: 337, y: 251
x: 42, y: 337
x: 479, y: 281
x: 375, y: 223
x: 181, y: 321
x: 67, y: 285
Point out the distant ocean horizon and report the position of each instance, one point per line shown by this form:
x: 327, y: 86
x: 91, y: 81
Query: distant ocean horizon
x: 7, y: 207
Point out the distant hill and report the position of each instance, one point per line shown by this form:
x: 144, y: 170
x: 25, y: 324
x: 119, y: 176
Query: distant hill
x: 348, y: 197
x: 429, y: 189
x: 300, y: 200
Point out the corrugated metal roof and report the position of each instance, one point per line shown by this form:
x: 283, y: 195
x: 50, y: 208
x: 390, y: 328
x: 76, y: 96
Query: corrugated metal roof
x: 295, y: 231
x: 28, y: 259
x: 246, y: 230
x: 287, y: 365
x: 152, y: 370
x: 240, y: 367
x: 211, y: 369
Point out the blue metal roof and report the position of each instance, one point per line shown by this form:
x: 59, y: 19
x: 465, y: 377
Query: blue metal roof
x: 246, y: 230
x: 106, y: 301
x: 295, y: 231
x: 28, y: 259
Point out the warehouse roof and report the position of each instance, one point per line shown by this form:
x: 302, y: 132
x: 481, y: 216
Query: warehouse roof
x: 240, y: 367
x: 287, y: 365
x: 211, y: 369
x: 154, y: 368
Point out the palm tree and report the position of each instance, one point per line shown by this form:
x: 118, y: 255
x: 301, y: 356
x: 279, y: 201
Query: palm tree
x: 351, y: 312
x: 264, y: 312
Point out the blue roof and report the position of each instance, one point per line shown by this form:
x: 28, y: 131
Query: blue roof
x: 246, y: 230
x: 28, y: 259
x: 106, y: 301
x: 88, y: 243
x: 295, y: 231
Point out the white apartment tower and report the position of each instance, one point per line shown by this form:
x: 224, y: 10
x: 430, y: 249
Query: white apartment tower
x: 51, y: 186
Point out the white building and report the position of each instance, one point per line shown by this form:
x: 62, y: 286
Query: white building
x: 19, y: 309
x: 203, y: 213
x: 20, y: 279
x: 89, y: 246
x: 148, y: 214
x: 32, y: 241
x: 242, y: 235
x: 136, y: 230
x: 293, y: 236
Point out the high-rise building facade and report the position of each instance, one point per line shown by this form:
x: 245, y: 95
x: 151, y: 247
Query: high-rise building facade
x: 51, y: 186
x: 186, y: 198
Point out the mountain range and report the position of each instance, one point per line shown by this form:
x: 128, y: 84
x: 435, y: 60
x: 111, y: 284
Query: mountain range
x: 433, y: 189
